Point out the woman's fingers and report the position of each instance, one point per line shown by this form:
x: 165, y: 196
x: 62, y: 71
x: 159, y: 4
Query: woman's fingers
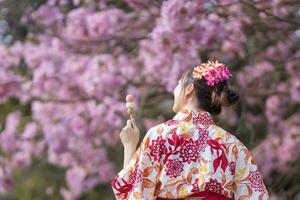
x: 130, y: 133
x: 132, y: 120
x: 129, y: 124
x: 125, y: 128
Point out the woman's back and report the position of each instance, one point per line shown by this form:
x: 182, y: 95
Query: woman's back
x: 186, y: 155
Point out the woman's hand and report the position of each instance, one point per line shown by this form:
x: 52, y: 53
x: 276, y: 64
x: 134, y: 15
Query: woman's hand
x: 130, y: 134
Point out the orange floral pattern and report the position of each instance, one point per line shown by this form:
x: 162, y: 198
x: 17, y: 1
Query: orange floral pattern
x: 186, y: 155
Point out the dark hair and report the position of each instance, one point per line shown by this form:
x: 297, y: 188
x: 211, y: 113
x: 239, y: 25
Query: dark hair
x: 210, y: 98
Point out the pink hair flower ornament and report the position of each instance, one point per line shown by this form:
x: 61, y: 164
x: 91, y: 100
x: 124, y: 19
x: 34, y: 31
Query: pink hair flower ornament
x: 213, y: 72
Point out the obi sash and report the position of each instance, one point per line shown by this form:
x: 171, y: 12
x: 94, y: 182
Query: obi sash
x: 205, y: 195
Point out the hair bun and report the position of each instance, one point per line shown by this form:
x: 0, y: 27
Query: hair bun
x: 232, y: 97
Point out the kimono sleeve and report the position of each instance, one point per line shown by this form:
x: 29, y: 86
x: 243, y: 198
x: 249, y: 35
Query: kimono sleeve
x: 137, y: 180
x: 248, y: 182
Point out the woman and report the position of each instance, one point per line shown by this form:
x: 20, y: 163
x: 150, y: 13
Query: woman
x: 189, y: 156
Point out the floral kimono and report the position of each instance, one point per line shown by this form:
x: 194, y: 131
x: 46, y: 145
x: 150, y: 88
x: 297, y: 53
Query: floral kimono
x: 188, y: 157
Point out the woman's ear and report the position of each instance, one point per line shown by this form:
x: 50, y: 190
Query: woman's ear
x: 189, y: 89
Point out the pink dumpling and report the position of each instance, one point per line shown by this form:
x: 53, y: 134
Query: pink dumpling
x: 129, y: 98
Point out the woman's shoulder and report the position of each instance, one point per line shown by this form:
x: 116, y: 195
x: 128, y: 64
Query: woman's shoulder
x: 164, y: 128
x: 225, y: 136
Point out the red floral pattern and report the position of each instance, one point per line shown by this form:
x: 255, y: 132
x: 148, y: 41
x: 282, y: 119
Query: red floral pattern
x: 195, y: 186
x: 189, y: 151
x: 214, y: 186
x: 171, y: 122
x: 135, y: 176
x: 203, y: 136
x: 256, y: 181
x: 174, y: 143
x: 158, y: 148
x: 221, y: 160
x: 203, y: 118
x: 121, y: 187
x: 174, y: 168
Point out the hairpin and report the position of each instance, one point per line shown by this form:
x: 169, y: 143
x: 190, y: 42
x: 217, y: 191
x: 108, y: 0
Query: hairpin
x: 213, y: 72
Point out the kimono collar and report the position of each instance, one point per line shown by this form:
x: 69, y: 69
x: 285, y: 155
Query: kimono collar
x: 196, y: 116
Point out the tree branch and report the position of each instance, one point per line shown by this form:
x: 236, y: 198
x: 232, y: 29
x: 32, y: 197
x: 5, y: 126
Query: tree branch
x: 250, y: 4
